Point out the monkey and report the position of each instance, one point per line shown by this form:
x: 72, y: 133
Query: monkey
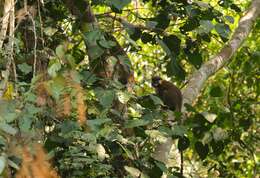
x: 168, y: 93
x: 172, y: 98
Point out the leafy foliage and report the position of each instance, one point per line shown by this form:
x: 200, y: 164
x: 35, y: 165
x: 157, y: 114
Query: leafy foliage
x: 94, y: 125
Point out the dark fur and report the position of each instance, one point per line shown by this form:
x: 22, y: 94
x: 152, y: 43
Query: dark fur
x: 168, y: 93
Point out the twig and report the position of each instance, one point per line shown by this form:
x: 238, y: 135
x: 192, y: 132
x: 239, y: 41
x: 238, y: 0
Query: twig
x: 35, y: 45
x: 11, y: 41
x: 181, y: 171
x: 41, y: 24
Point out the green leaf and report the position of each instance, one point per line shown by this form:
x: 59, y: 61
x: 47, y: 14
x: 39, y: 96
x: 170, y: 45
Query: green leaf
x: 216, y: 91
x: 91, y: 38
x: 107, y: 43
x: 123, y: 97
x: 56, y: 87
x: 7, y: 128
x: 218, y: 147
x: 54, y: 67
x: 119, y: 4
x: 209, y: 116
x: 106, y: 97
x: 174, y: 68
x: 25, y: 123
x: 202, y: 150
x: 195, y: 58
x: 178, y: 130
x: 190, y: 25
x: 2, y: 164
x: 60, y: 51
x: 223, y: 30
x: 183, y: 143
x: 95, y: 52
x: 13, y: 164
x: 173, y: 43
x: 137, y: 123
x: 132, y: 171
x: 25, y: 68
x: 230, y: 19
x: 146, y: 37
x: 205, y: 26
x: 156, y: 100
x: 95, y: 123
x: 162, y: 20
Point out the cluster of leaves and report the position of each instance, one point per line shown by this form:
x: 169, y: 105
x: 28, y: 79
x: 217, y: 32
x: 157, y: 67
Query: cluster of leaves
x: 115, y: 142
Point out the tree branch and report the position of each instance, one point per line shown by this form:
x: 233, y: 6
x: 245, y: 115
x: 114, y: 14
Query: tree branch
x: 5, y: 20
x: 198, y: 79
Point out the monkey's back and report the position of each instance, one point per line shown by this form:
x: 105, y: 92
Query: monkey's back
x: 170, y: 95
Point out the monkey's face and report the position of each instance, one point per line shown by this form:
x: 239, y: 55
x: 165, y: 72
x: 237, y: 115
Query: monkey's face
x: 156, y: 81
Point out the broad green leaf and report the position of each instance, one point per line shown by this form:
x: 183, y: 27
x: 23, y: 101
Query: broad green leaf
x: 25, y: 123
x: 209, y: 116
x: 7, y: 111
x: 137, y: 123
x: 217, y: 147
x: 101, y: 152
x: 7, y: 128
x: 60, y: 51
x: 71, y: 60
x: 161, y: 166
x: 95, y: 52
x: 56, y: 86
x: 219, y: 134
x: 230, y: 19
x: 156, y: 100
x: 106, y: 97
x: 119, y: 4
x: 107, y: 43
x: 123, y: 97
x: 178, y: 130
x: 2, y: 164
x: 50, y: 31
x: 223, y: 30
x: 174, y: 68
x: 205, y: 26
x: 132, y: 171
x: 173, y: 43
x: 183, y: 143
x: 202, y: 150
x: 54, y: 67
x: 216, y: 91
x: 98, y: 122
x: 195, y: 58
x: 92, y: 37
x: 13, y: 164
x: 25, y: 68
x: 190, y: 25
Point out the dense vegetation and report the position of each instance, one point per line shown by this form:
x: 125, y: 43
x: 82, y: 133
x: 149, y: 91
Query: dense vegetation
x: 76, y: 78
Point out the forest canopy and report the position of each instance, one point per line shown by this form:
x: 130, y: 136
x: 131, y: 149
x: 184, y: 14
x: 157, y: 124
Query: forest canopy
x: 77, y: 97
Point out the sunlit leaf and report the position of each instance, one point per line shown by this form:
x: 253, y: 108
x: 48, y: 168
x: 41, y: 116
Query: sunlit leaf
x: 54, y: 67
x: 8, y: 129
x: 25, y: 68
x: 2, y: 164
x: 132, y: 171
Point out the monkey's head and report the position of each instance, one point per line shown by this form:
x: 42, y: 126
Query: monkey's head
x: 156, y: 81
